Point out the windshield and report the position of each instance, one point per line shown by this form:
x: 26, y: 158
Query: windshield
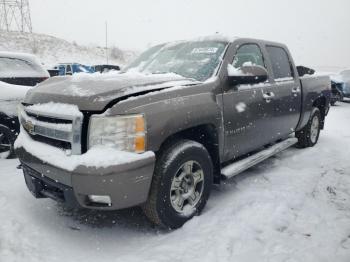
x: 345, y: 75
x: 197, y: 60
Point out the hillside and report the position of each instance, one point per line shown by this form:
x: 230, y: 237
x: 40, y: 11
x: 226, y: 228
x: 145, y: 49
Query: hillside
x: 52, y: 50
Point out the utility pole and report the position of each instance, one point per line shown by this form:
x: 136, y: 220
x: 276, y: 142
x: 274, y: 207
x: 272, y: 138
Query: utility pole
x: 15, y: 16
x: 107, y: 42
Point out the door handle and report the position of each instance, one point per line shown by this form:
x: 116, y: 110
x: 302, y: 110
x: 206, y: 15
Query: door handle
x: 296, y: 90
x: 268, y: 96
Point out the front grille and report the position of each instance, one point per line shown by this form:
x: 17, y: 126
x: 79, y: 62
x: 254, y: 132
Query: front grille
x: 49, y: 119
x: 55, y: 129
x: 52, y: 142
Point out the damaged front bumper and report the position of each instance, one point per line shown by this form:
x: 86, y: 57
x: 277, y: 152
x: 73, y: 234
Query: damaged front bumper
x: 108, y: 188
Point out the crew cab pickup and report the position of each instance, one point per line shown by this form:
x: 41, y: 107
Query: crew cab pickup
x: 181, y: 117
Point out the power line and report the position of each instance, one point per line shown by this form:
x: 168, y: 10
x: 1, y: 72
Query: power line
x: 15, y: 16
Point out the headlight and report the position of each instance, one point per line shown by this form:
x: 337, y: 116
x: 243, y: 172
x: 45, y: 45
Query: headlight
x: 126, y: 133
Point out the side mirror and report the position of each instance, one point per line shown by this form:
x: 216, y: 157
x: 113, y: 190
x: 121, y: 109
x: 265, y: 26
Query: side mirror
x: 247, y: 74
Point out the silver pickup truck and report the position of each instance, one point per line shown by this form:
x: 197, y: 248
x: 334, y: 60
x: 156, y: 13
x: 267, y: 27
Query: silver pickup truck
x: 181, y: 117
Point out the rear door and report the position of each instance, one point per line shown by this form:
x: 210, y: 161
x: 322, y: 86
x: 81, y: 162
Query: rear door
x: 246, y: 109
x: 287, y: 90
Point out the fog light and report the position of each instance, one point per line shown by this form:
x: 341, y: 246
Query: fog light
x: 100, y: 199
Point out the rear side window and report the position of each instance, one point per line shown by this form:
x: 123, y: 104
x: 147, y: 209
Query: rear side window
x: 281, y: 65
x: 69, y: 69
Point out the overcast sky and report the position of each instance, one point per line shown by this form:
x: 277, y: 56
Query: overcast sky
x: 317, y: 32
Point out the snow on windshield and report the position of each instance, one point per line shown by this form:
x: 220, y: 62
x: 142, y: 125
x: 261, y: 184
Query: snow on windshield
x: 196, y: 59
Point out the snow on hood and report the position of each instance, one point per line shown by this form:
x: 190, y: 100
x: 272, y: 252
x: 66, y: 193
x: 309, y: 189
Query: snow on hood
x: 94, y: 91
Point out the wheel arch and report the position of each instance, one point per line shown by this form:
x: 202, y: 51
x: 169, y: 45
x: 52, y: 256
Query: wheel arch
x: 205, y: 134
x: 321, y: 103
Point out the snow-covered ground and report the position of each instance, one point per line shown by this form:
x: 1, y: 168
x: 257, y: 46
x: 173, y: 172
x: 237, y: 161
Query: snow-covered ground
x: 293, y: 207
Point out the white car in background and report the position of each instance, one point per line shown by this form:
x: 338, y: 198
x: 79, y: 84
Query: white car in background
x: 18, y: 73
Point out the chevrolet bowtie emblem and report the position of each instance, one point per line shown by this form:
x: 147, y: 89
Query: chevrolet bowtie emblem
x: 29, y: 126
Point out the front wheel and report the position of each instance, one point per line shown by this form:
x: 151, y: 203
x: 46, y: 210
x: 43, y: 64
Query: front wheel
x: 181, y: 184
x: 7, y: 138
x: 308, y: 136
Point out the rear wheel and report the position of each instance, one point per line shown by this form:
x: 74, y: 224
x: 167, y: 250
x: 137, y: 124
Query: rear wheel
x: 181, y: 184
x: 308, y: 136
x: 7, y: 138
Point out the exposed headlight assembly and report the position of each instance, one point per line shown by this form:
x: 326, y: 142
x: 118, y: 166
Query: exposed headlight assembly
x: 126, y: 133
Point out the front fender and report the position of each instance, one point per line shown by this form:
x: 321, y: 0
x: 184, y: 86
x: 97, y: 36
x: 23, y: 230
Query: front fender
x: 168, y: 112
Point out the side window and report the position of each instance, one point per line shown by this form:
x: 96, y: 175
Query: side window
x: 281, y: 65
x: 248, y: 53
x: 62, y: 69
x: 69, y: 70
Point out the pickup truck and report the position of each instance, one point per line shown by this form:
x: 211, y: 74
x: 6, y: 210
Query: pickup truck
x: 181, y: 117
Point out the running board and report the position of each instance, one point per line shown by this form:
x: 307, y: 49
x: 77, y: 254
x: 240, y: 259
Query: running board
x: 242, y: 165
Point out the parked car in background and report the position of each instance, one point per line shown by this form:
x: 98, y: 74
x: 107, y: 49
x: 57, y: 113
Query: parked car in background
x: 21, y: 69
x: 340, y: 86
x: 72, y: 68
x: 18, y: 73
x: 53, y: 72
x: 337, y: 91
x: 183, y: 116
x: 106, y: 68
x: 345, y: 76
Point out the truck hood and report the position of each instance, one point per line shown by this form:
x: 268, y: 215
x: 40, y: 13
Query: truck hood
x: 93, y: 92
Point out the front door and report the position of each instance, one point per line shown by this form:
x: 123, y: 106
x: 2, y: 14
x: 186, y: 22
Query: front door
x: 247, y: 109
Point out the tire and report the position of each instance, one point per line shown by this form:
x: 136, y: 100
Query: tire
x: 332, y: 103
x: 7, y: 139
x: 308, y: 136
x: 175, y: 166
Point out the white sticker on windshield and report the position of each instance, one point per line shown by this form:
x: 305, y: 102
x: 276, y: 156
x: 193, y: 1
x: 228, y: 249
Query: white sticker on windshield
x: 205, y: 50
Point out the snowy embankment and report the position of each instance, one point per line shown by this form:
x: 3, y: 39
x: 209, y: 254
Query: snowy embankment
x: 293, y: 207
x: 52, y: 50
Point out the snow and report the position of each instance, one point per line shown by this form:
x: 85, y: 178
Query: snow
x: 12, y: 65
x: 241, y: 107
x: 284, y: 79
x: 215, y: 37
x: 56, y: 108
x: 52, y: 50
x: 12, y: 92
x: 292, y: 207
x: 97, y: 156
x: 10, y: 96
x: 141, y: 82
x: 232, y: 71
